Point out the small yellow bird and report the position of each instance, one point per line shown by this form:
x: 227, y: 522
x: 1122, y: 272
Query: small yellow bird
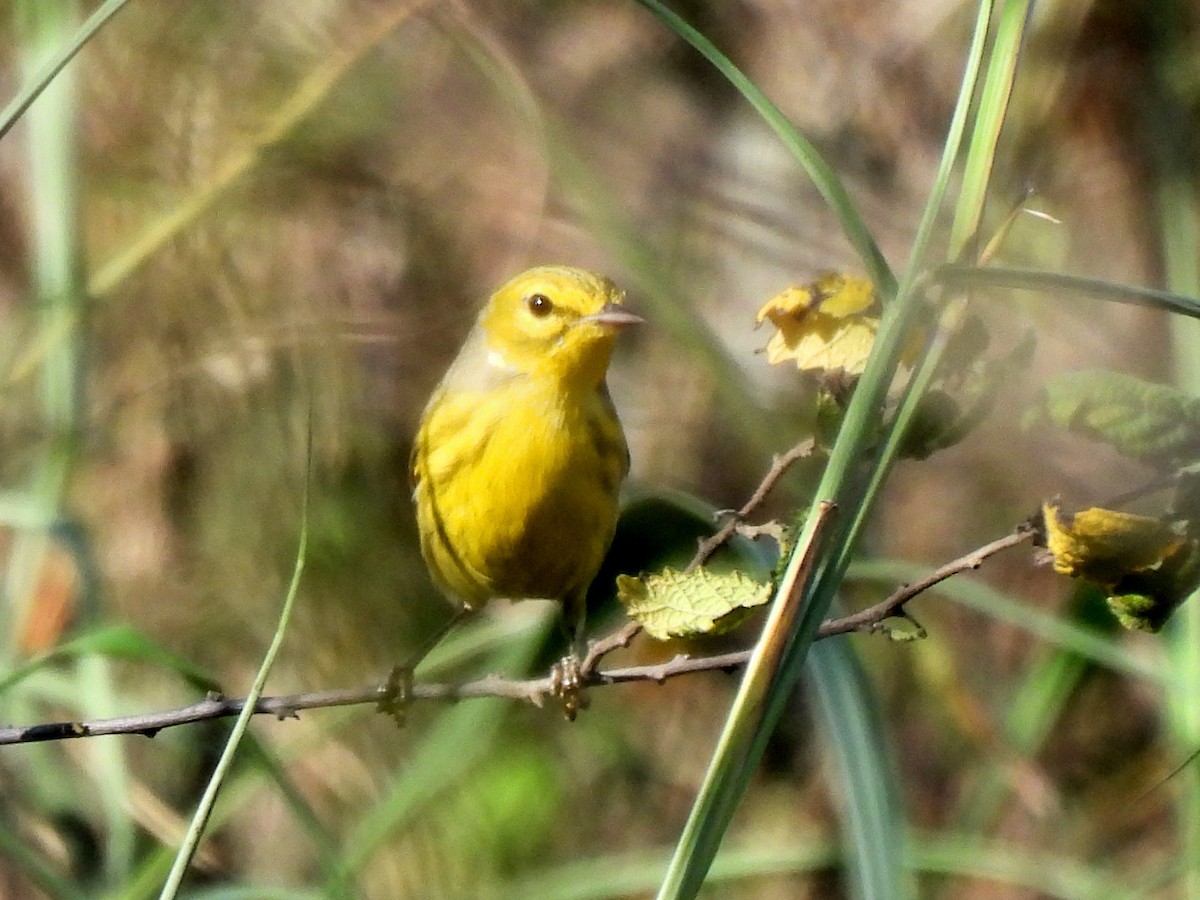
x: 520, y: 454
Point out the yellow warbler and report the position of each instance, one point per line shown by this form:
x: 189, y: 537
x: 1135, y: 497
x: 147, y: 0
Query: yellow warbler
x: 520, y: 454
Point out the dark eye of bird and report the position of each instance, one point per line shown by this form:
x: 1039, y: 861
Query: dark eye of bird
x: 539, y: 305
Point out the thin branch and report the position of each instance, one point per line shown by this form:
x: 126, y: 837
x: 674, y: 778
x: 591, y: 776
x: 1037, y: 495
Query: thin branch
x: 869, y: 619
x: 779, y: 465
x: 536, y: 690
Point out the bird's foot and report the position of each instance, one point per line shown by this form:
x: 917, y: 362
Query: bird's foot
x: 566, y: 683
x: 396, y: 693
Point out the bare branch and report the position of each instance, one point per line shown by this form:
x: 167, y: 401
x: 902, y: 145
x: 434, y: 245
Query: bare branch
x: 870, y: 618
x: 535, y: 691
x: 779, y: 465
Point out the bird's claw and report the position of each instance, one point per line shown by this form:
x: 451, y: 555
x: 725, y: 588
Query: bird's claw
x: 396, y: 693
x: 566, y: 683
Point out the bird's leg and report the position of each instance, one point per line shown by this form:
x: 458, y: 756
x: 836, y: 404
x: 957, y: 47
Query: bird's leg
x: 566, y: 676
x: 396, y: 691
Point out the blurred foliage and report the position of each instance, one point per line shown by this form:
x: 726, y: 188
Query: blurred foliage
x: 282, y: 205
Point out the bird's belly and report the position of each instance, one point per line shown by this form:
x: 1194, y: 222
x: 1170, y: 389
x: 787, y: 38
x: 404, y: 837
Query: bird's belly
x: 531, y: 511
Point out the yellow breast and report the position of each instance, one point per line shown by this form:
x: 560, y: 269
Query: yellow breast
x: 516, y: 490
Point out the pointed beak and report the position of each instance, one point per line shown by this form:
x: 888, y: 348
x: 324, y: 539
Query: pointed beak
x: 614, y: 316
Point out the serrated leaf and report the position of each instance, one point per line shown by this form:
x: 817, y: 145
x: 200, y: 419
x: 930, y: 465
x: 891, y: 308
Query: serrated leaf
x: 1151, y: 422
x: 827, y: 325
x: 673, y: 604
x: 1106, y: 545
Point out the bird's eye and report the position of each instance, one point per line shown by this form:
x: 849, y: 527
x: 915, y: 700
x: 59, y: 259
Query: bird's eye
x: 539, y: 305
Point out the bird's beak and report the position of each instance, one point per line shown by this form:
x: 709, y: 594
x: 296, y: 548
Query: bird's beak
x: 614, y: 316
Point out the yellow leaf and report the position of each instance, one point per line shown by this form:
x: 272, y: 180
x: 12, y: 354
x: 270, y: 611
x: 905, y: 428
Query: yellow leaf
x: 673, y: 604
x: 830, y: 324
x: 1104, y: 545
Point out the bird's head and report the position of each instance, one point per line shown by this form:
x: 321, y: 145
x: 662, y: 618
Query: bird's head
x: 557, y: 322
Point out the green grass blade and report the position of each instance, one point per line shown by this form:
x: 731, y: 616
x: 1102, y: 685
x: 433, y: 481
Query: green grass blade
x: 621, y: 875
x: 274, y: 770
x: 256, y: 892
x: 989, y: 119
x: 52, y: 65
x: 458, y: 741
x: 1037, y: 705
x: 950, y: 149
x: 1042, y: 874
x: 33, y: 864
x: 1063, y: 286
x: 44, y: 30
x: 114, y: 642
x: 995, y: 94
x: 1176, y: 178
x: 204, y: 809
x: 763, y: 692
x: 822, y: 175
x: 957, y: 856
x: 875, y: 823
x: 741, y: 742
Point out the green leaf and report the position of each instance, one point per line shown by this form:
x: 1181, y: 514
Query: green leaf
x: 1139, y: 419
x: 674, y: 604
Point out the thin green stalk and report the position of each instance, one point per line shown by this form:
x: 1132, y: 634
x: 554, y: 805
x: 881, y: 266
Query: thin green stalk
x: 41, y: 77
x: 995, y: 95
x: 950, y: 149
x: 291, y: 113
x: 456, y: 745
x: 989, y: 119
x: 966, y: 857
x: 57, y: 287
x: 822, y: 175
x: 200, y: 817
x: 1051, y: 629
x: 873, y: 819
x: 49, y: 38
x: 1063, y: 286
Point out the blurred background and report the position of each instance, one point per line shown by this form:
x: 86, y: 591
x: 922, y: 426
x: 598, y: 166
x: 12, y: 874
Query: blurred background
x: 229, y: 213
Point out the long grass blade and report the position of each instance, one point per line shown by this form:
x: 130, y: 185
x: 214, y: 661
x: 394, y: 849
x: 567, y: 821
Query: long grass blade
x: 995, y: 93
x: 990, y: 602
x: 989, y: 119
x: 822, y: 175
x: 1062, y: 286
x: 763, y: 692
x: 48, y: 70
x: 874, y: 831
x: 204, y: 809
x: 1171, y: 112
